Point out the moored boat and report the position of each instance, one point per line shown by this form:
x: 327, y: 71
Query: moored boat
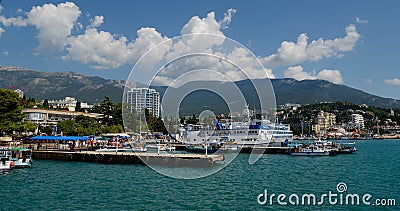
x: 311, y: 150
x: 21, y: 157
x: 141, y: 149
x: 200, y: 148
x: 6, y: 163
x: 161, y: 147
x: 243, y: 130
x: 347, y: 148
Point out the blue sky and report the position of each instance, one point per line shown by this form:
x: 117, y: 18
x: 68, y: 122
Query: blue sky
x: 355, y: 41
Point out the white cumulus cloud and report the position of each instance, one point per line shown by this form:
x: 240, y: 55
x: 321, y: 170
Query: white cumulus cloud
x: 394, y: 81
x: 18, y: 21
x: 333, y: 76
x: 298, y: 73
x: 104, y: 50
x: 359, y: 20
x: 99, y: 48
x: 96, y: 21
x: 54, y: 23
x: 202, y: 25
x: 227, y: 18
x: 291, y: 53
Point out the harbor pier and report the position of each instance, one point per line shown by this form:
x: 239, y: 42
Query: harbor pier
x: 163, y: 159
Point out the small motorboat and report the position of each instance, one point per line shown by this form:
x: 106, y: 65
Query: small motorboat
x: 21, y: 157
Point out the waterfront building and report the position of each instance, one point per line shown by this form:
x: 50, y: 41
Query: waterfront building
x: 50, y: 117
x: 324, y: 121
x: 139, y: 98
x: 68, y: 102
x: 358, y: 121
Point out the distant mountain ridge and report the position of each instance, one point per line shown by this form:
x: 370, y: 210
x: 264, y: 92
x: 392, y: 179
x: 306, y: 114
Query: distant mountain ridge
x: 92, y: 89
x: 286, y: 91
x: 315, y: 91
x: 58, y: 85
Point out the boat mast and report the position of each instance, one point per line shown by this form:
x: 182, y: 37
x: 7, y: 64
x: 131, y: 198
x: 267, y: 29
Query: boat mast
x: 377, y: 126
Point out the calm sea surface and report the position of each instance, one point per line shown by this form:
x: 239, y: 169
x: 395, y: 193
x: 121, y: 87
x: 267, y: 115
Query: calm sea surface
x: 58, y: 185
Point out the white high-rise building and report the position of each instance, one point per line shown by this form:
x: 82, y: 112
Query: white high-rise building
x: 358, y: 121
x: 139, y: 98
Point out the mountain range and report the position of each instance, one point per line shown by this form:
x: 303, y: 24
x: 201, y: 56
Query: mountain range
x: 58, y: 85
x: 92, y: 89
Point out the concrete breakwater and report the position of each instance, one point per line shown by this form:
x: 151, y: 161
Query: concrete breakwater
x: 185, y: 160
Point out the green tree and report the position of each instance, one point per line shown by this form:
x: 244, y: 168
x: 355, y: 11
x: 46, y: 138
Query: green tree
x: 107, y: 108
x: 46, y: 103
x: 29, y: 126
x: 78, y: 106
x: 117, y: 114
x: 113, y: 129
x: 68, y: 127
x: 30, y: 102
x: 10, y: 112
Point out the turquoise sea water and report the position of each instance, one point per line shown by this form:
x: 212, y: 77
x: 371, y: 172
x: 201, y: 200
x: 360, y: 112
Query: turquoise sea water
x: 58, y: 185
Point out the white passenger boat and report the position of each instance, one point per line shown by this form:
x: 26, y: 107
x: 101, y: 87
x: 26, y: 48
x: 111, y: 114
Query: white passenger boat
x: 311, y: 150
x: 251, y: 133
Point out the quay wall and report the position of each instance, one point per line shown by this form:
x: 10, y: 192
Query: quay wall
x: 164, y: 159
x: 87, y: 157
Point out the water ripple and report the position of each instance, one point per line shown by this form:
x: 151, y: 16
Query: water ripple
x: 57, y: 185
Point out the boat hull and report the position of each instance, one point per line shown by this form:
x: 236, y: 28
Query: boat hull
x: 20, y: 163
x: 5, y: 165
x: 201, y: 150
x: 326, y: 153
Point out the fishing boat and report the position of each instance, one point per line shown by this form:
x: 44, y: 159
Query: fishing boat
x: 21, y: 157
x: 311, y: 150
